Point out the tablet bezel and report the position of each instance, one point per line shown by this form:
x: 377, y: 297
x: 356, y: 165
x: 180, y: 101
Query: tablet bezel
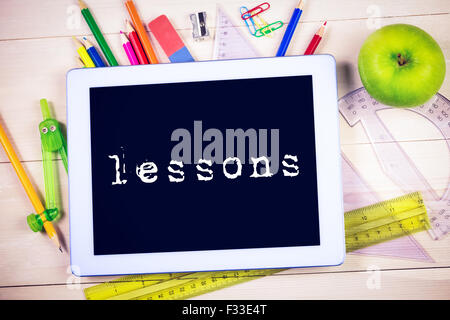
x: 331, y: 250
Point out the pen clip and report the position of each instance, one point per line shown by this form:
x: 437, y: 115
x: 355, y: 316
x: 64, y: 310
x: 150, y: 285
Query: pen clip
x: 49, y: 179
x: 51, y: 136
x: 52, y: 139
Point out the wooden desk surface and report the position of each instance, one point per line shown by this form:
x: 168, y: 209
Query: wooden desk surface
x: 36, y: 51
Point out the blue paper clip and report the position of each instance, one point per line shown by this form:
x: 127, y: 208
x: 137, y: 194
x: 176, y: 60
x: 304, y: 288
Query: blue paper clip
x: 252, y: 22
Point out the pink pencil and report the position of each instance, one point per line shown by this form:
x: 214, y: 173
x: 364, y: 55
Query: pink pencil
x: 128, y: 49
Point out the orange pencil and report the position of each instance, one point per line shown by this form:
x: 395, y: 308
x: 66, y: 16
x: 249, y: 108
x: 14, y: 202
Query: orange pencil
x: 26, y: 183
x: 142, y: 33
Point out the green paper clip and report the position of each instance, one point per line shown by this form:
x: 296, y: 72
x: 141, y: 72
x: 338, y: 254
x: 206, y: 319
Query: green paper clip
x: 52, y: 141
x: 264, y: 31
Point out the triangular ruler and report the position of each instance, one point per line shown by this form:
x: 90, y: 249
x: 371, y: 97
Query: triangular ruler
x: 357, y: 194
x: 230, y: 43
x: 358, y: 107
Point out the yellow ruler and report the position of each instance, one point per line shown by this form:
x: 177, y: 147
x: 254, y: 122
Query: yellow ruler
x: 174, y: 286
x: 366, y: 226
x: 384, y: 221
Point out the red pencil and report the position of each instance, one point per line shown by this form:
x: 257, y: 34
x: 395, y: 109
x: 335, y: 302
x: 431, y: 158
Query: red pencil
x: 315, y: 40
x: 137, y: 47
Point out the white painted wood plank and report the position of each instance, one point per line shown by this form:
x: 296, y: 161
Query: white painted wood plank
x: 405, y: 284
x: 371, y: 284
x: 50, y: 18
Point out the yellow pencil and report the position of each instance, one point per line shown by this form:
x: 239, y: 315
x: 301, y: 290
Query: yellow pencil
x: 26, y: 183
x: 84, y: 55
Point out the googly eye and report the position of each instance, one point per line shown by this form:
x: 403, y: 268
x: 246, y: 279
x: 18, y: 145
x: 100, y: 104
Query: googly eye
x: 44, y: 130
x: 52, y: 128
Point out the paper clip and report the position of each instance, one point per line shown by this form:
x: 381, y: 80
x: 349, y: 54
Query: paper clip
x: 255, y: 25
x: 255, y: 11
x: 265, y: 31
x: 262, y: 25
x: 252, y: 22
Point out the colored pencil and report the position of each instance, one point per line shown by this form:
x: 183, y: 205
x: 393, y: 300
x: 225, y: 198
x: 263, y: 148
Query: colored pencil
x: 83, y: 53
x: 26, y: 183
x: 80, y: 62
x: 290, y: 29
x: 93, y: 53
x: 97, y: 33
x: 140, y: 30
x: 137, y: 47
x: 316, y: 40
x: 128, y: 49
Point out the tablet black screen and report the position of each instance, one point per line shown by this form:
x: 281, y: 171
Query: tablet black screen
x: 136, y: 130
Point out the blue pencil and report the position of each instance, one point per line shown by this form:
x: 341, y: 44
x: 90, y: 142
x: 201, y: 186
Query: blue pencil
x: 290, y: 29
x: 93, y: 53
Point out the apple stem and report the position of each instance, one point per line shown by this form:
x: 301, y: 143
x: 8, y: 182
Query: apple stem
x: 401, y: 60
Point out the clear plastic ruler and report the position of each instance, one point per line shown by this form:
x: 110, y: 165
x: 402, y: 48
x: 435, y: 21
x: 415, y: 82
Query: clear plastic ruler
x: 358, y: 106
x: 358, y: 194
x: 230, y: 43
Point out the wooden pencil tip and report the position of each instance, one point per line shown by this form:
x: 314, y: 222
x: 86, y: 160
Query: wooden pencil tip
x: 82, y: 4
x: 129, y: 26
x: 76, y: 41
x: 86, y: 42
x: 123, y: 37
x: 60, y: 250
x: 300, y: 4
x: 321, y: 31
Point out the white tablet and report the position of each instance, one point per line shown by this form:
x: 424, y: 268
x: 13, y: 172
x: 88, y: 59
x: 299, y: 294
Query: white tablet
x: 205, y: 166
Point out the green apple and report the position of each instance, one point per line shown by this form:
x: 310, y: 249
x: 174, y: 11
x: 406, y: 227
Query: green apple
x: 401, y: 65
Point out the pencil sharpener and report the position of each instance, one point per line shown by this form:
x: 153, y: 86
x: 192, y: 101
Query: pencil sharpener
x: 35, y: 221
x: 199, y: 29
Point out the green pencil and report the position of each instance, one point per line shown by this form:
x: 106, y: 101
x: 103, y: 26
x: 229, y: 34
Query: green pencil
x: 97, y: 34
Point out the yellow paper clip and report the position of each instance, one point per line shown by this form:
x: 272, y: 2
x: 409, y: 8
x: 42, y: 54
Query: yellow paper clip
x: 262, y: 25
